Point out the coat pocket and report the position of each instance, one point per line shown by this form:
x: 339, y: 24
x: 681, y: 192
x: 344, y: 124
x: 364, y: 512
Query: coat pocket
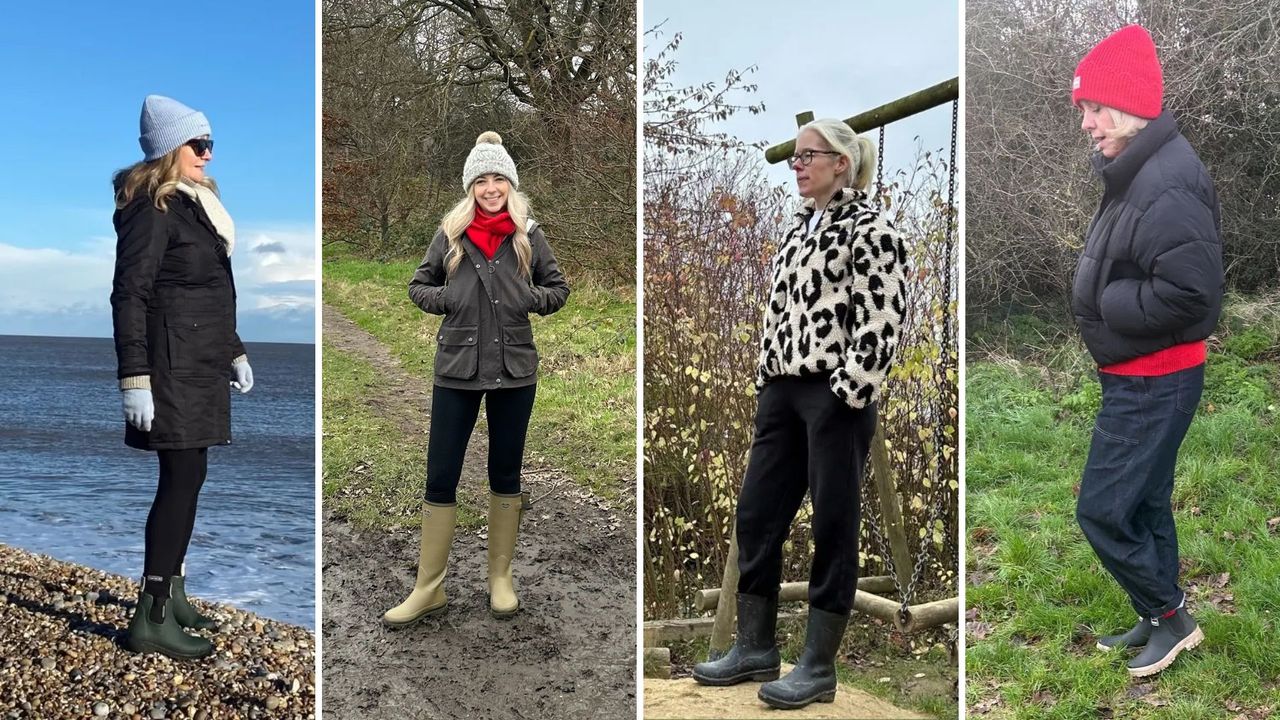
x: 457, y: 355
x: 198, y: 345
x: 519, y: 354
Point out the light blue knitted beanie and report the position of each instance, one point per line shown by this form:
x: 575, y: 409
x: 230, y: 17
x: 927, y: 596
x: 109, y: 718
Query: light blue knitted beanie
x: 166, y: 124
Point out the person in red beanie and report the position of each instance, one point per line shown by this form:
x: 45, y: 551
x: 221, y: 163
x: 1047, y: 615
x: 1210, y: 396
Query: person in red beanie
x: 1147, y: 292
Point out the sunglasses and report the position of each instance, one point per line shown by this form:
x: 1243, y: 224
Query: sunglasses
x: 200, y: 145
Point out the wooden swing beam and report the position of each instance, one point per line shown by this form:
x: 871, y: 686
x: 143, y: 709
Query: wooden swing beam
x: 903, y: 107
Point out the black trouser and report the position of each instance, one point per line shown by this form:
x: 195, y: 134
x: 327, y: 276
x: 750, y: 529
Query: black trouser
x: 173, y: 512
x: 805, y: 438
x: 453, y: 417
x: 1125, y: 507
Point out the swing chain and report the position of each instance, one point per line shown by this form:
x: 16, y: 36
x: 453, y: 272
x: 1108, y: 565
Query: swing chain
x: 935, y: 509
x: 880, y: 170
x: 939, y: 433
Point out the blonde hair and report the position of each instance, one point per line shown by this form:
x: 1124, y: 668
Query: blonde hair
x: 858, y: 150
x: 157, y: 178
x: 1125, y: 125
x: 455, y: 223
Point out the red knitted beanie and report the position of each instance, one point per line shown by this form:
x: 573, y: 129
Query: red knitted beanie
x: 1122, y: 72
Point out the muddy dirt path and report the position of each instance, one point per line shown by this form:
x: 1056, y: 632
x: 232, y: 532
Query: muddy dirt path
x: 568, y: 653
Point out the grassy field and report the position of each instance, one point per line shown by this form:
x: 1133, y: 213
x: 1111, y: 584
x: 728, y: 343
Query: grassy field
x: 584, y: 418
x: 1037, y: 595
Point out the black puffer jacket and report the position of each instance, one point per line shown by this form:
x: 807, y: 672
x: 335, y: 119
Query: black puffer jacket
x: 486, y: 340
x: 1150, y: 276
x: 173, y: 306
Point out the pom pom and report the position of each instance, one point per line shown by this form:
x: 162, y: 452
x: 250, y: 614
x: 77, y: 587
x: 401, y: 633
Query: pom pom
x: 489, y: 137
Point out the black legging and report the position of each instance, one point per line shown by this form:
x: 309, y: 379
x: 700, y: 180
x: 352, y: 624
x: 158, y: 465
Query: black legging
x: 173, y: 512
x: 453, y: 416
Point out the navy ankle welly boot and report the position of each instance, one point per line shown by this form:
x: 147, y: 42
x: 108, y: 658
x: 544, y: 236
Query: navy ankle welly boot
x: 1169, y: 636
x: 1135, y: 637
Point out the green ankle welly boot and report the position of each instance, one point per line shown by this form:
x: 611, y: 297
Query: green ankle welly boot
x: 154, y: 627
x: 183, y: 610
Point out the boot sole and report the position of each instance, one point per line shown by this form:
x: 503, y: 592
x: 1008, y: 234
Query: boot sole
x: 1190, y: 641
x: 399, y: 624
x: 751, y: 675
x: 146, y: 647
x: 504, y: 614
x: 828, y: 696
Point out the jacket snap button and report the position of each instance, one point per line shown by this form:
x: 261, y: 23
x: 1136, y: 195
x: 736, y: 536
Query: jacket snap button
x: 470, y: 339
x: 490, y: 268
x: 499, y: 381
x: 477, y: 266
x: 495, y: 339
x: 440, y: 338
x: 495, y: 302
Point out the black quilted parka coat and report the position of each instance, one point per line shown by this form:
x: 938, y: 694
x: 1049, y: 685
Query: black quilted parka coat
x: 173, y: 304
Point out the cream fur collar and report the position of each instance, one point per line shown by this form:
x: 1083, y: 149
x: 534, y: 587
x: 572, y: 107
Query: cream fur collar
x: 212, y: 206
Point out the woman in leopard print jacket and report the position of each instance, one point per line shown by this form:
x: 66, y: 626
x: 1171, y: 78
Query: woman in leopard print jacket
x: 831, y: 329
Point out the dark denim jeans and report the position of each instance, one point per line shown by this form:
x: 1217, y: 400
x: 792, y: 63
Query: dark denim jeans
x: 1125, y: 506
x: 806, y: 438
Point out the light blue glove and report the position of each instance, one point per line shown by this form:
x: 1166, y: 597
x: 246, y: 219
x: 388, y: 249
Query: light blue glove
x: 243, y: 377
x: 139, y: 409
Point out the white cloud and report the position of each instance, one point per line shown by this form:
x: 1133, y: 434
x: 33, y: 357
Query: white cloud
x: 57, y: 284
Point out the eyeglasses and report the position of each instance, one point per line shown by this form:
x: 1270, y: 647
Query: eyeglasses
x: 204, y: 145
x: 806, y: 157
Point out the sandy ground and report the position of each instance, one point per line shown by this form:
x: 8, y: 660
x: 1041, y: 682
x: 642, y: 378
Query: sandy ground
x: 61, y: 653
x: 569, y: 652
x: 685, y: 699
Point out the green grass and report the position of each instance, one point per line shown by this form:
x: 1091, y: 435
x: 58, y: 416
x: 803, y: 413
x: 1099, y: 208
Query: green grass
x: 1036, y: 582
x: 374, y: 471
x: 584, y: 417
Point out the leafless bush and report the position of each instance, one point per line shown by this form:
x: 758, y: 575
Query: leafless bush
x: 409, y: 85
x: 1029, y: 188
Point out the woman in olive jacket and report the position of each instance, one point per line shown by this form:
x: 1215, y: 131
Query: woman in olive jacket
x: 831, y: 331
x: 1147, y: 292
x: 173, y: 306
x: 487, y: 268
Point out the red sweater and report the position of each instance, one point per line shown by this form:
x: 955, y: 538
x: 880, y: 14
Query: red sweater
x: 1162, y: 362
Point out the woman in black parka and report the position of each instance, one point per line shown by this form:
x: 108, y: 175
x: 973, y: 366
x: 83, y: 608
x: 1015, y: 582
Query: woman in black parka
x: 486, y: 270
x: 832, y: 327
x: 1147, y: 292
x: 173, y: 306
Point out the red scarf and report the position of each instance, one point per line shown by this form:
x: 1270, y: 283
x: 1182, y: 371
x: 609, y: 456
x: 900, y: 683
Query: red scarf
x: 488, y: 231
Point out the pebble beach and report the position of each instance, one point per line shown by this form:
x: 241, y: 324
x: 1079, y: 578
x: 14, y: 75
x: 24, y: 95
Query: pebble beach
x: 61, y: 654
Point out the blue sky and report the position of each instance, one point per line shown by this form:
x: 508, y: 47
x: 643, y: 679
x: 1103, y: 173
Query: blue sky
x: 73, y: 83
x: 834, y: 58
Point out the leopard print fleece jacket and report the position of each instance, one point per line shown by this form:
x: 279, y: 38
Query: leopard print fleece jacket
x: 838, y: 299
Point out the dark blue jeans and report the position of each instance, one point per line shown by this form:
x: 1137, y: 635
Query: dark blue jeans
x: 1125, y: 506
x: 806, y: 438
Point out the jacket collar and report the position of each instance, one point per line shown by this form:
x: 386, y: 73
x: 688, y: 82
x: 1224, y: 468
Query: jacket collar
x: 843, y: 196
x: 1118, y: 172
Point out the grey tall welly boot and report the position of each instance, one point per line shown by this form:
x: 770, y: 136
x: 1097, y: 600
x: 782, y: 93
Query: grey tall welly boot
x: 754, y: 655
x: 814, y: 676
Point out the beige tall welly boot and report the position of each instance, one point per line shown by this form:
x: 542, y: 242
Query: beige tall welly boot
x: 428, y: 596
x: 504, y: 521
